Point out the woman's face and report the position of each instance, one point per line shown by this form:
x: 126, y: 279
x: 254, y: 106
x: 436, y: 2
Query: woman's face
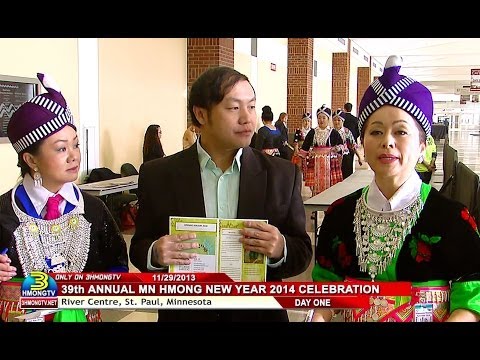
x: 58, y: 159
x: 322, y: 120
x: 159, y: 132
x: 337, y: 122
x: 392, y: 143
x: 306, y: 123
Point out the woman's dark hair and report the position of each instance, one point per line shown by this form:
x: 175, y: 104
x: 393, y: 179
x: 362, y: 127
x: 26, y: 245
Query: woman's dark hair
x: 152, y: 146
x: 282, y: 116
x: 32, y: 149
x: 267, y: 114
x: 210, y: 88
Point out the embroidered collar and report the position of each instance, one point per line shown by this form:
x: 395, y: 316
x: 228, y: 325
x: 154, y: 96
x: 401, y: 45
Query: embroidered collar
x: 39, y: 195
x: 402, y: 197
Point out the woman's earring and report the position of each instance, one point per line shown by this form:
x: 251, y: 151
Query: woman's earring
x: 37, y: 178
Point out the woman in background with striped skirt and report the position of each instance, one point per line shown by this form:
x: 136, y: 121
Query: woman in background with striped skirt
x: 320, y: 146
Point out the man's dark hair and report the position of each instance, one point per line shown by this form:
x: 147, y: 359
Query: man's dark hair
x: 348, y: 107
x: 210, y: 88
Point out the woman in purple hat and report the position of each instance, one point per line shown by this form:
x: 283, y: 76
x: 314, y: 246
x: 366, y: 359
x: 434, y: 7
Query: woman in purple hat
x: 398, y: 228
x: 46, y: 222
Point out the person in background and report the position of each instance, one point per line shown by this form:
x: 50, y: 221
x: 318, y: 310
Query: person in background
x: 321, y: 145
x: 228, y: 179
x: 350, y: 145
x: 426, y: 163
x: 399, y: 228
x: 269, y: 138
x: 286, y: 150
x: 299, y: 137
x: 189, y: 136
x: 446, y: 122
x: 351, y: 121
x: 152, y: 144
x: 46, y: 222
x: 281, y: 125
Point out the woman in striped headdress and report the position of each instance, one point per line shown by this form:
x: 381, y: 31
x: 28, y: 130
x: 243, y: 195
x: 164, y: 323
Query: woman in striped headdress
x: 47, y: 224
x: 321, y: 145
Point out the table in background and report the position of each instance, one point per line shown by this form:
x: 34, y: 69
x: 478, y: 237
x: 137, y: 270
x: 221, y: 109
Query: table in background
x: 111, y: 193
x: 320, y: 202
x: 107, y: 187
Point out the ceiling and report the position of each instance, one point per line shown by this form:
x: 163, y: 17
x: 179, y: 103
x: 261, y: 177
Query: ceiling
x: 443, y: 65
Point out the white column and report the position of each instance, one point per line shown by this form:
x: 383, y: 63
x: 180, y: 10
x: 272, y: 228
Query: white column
x: 88, y: 105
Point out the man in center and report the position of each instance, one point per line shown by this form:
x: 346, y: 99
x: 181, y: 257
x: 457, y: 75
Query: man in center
x: 221, y: 176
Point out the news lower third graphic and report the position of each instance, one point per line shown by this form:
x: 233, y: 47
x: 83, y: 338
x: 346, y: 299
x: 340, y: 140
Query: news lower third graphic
x: 194, y: 291
x: 39, y: 291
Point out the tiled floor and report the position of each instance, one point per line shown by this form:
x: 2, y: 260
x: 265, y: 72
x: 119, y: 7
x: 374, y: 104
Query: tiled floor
x: 467, y: 143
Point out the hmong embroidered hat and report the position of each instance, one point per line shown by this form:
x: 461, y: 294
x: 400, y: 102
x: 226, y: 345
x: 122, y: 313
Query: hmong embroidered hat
x: 39, y: 117
x: 307, y: 116
x: 325, y: 110
x: 398, y: 90
x: 339, y: 113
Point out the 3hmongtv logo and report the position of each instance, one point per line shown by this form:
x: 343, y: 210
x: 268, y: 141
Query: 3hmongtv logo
x: 39, y: 291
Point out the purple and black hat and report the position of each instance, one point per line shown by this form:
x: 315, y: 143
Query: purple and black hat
x: 398, y: 90
x: 325, y: 110
x: 339, y: 113
x: 39, y: 117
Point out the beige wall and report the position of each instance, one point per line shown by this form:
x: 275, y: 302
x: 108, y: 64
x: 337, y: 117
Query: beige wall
x: 242, y: 59
x: 141, y: 82
x: 26, y: 57
x: 322, y: 83
x: 245, y: 63
x: 272, y: 85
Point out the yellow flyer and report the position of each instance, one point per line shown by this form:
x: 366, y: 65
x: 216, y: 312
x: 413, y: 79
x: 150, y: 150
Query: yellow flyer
x: 206, y: 230
x: 235, y: 261
x: 220, y: 248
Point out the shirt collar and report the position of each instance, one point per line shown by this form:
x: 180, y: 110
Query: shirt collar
x: 204, y: 158
x: 402, y: 197
x: 39, y: 195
